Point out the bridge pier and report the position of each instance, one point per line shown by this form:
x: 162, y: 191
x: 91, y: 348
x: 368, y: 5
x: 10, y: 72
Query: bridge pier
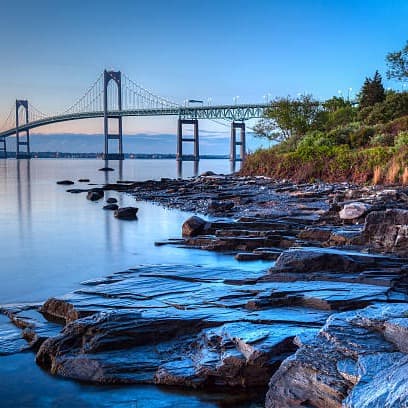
x: 116, y: 77
x: 19, y: 141
x: 181, y: 139
x: 3, y: 148
x: 234, y: 142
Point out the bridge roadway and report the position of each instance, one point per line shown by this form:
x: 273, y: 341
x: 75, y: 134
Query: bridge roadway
x: 230, y: 112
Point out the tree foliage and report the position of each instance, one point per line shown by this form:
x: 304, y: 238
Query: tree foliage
x: 398, y: 64
x: 394, y: 106
x: 288, y: 118
x: 372, y: 91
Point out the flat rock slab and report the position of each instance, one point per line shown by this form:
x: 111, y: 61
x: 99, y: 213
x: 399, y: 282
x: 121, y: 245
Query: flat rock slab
x: 349, y: 363
x: 168, y: 325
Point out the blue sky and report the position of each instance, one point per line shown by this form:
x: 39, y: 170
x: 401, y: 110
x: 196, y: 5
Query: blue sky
x: 51, y: 51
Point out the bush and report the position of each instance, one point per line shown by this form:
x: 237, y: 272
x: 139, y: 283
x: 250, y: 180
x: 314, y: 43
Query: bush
x: 361, y: 137
x: 314, y: 139
x: 394, y: 106
x: 341, y: 135
x: 394, y: 127
x: 401, y: 140
x: 382, y: 140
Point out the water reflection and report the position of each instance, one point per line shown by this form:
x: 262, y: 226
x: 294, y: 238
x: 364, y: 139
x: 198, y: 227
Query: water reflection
x: 195, y: 170
x: 23, y: 173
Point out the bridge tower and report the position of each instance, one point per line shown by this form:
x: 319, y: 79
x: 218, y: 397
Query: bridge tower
x: 237, y: 142
x: 116, y: 77
x: 181, y: 139
x: 25, y: 140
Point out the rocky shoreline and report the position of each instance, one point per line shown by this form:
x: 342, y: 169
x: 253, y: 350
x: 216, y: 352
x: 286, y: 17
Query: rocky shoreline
x: 325, y: 326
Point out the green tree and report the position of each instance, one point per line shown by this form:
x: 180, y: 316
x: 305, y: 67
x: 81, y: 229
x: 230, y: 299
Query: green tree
x: 288, y: 118
x: 335, y: 103
x: 398, y: 64
x: 336, y: 112
x: 372, y: 91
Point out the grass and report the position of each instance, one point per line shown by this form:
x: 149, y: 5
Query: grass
x: 372, y: 165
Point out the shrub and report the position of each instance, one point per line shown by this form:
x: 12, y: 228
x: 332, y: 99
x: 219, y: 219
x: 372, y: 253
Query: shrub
x: 382, y: 139
x: 396, y: 126
x: 341, y: 135
x: 394, y: 106
x: 361, y: 137
x: 401, y: 140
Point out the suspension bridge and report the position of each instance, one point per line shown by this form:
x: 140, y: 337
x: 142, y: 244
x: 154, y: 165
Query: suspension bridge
x: 113, y: 96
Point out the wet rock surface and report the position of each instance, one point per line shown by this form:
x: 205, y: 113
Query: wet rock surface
x: 95, y: 194
x: 325, y: 323
x: 65, y: 182
x: 126, y: 213
x: 111, y: 207
x: 359, y: 365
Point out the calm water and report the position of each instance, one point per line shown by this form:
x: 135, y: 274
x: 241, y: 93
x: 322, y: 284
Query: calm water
x: 53, y: 240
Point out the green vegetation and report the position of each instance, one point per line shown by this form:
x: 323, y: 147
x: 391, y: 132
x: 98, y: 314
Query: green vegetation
x: 339, y: 140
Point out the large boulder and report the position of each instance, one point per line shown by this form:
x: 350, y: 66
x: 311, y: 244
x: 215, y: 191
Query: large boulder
x: 193, y: 226
x: 352, y: 211
x: 126, y: 213
x: 387, y: 231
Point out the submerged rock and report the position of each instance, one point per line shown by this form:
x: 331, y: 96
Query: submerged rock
x: 106, y: 169
x: 126, y: 213
x: 111, y: 207
x: 95, y: 194
x: 65, y: 182
x: 111, y: 200
x: 84, y: 180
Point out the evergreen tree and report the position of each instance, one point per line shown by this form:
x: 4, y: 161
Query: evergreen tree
x: 372, y: 91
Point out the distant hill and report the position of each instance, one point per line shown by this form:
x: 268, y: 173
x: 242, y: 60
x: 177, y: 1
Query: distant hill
x: 210, y: 143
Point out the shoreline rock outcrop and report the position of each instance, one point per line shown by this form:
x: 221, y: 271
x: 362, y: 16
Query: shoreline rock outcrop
x: 324, y: 326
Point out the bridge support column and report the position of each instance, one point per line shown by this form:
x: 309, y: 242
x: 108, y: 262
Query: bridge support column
x: 25, y: 139
x: 235, y: 142
x: 109, y: 114
x: 3, y: 148
x: 181, y: 139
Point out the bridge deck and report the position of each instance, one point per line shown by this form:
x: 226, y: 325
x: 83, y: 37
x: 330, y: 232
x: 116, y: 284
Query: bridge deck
x: 229, y: 112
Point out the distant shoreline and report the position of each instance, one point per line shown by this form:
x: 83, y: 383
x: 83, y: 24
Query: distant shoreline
x: 153, y: 156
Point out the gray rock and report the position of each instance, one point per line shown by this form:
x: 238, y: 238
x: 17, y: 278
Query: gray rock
x: 193, y: 226
x: 220, y: 206
x: 350, y: 363
x: 111, y: 207
x: 95, y: 194
x: 303, y: 260
x: 126, y: 213
x: 353, y: 211
x: 387, y: 231
x: 65, y: 182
